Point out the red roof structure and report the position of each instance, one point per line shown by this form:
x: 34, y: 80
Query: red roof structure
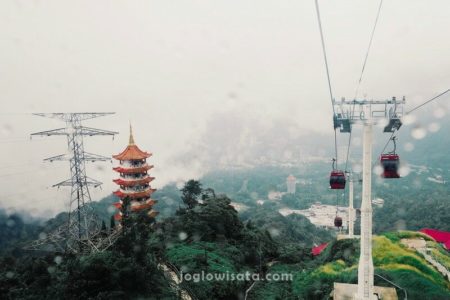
x: 437, y: 235
x: 141, y: 181
x: 318, y: 249
x: 442, y: 237
x: 132, y: 152
x: 133, y: 195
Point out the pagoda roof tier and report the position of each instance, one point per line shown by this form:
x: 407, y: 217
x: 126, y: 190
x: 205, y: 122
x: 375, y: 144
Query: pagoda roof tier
x: 133, y: 182
x: 134, y: 195
x: 132, y: 152
x: 137, y: 205
x: 125, y: 170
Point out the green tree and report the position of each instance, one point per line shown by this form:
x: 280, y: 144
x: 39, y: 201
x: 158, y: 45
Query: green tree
x: 190, y: 193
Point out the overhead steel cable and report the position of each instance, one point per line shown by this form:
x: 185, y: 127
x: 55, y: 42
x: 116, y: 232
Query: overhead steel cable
x: 324, y: 54
x: 387, y: 143
x: 368, y: 48
x: 328, y: 74
x: 426, y: 102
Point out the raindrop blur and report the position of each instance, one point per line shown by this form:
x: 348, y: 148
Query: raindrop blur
x: 42, y: 235
x: 9, y: 274
x: 418, y: 132
x: 182, y: 236
x: 357, y: 168
x: 58, y: 259
x: 434, y: 127
x: 409, y: 147
x: 111, y: 209
x: 274, y: 232
x: 378, y: 170
x: 10, y: 223
x: 169, y: 201
x: 382, y: 123
x: 404, y: 170
x: 51, y: 269
x: 184, y: 269
x: 408, y: 119
x: 439, y: 113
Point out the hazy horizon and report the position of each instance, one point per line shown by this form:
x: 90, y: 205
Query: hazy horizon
x: 196, y: 78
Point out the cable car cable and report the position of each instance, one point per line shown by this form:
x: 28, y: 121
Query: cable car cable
x: 324, y: 54
x: 368, y: 48
x: 328, y: 72
x: 432, y: 99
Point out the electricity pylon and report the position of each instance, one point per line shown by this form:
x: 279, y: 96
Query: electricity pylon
x: 81, y: 233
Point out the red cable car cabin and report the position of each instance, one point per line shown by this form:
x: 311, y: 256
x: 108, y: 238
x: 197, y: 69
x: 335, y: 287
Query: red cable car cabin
x: 338, y: 221
x: 390, y: 164
x: 337, y: 180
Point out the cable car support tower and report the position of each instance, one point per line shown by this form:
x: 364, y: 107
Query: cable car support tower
x: 81, y: 233
x: 367, y: 113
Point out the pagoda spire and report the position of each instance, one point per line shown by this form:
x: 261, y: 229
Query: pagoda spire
x: 131, y: 141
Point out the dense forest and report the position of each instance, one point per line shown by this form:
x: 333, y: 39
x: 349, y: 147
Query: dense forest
x: 197, y: 231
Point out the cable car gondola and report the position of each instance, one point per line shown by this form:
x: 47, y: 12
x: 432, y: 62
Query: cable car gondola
x: 390, y: 163
x: 337, y: 179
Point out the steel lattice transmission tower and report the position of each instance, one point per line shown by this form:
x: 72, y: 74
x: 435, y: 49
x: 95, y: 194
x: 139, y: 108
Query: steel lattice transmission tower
x: 82, y: 232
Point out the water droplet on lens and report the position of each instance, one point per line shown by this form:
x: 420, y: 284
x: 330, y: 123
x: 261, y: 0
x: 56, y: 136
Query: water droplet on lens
x: 182, y: 236
x: 434, y: 127
x: 418, y: 132
x: 378, y: 170
x: 439, y: 113
x: 409, y: 147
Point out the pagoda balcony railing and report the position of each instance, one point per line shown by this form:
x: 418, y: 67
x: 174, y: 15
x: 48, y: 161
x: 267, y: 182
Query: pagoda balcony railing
x: 133, y: 164
x: 135, y: 189
x: 133, y: 176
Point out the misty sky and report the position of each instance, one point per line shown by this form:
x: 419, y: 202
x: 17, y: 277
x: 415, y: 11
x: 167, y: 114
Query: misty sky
x: 179, y: 69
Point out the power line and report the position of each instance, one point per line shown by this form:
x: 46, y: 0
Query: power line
x: 368, y: 48
x: 425, y: 103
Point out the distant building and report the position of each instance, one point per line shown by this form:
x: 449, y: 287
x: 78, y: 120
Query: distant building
x: 290, y: 182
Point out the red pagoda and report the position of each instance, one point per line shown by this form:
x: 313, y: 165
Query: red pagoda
x: 134, y: 181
